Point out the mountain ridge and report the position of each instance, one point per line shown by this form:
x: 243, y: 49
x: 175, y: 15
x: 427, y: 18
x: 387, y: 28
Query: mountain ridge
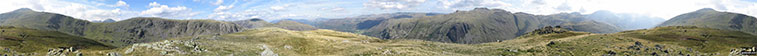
x: 707, y: 17
x: 143, y: 29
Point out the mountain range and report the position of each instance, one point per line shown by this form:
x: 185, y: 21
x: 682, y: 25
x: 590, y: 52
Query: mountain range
x: 478, y: 32
x: 481, y: 25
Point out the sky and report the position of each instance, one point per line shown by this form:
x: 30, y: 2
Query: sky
x: 229, y: 10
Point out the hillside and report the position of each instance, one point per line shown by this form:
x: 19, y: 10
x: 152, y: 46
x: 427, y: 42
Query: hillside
x: 28, y: 18
x: 147, y: 29
x: 121, y: 33
x: 364, y: 22
x: 548, y: 41
x: 480, y: 25
x: 24, y: 41
x: 710, y: 18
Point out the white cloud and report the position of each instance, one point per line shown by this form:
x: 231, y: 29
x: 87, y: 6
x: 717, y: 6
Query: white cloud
x: 247, y: 14
x: 393, y: 4
x: 76, y: 10
x: 280, y: 8
x: 277, y: 7
x: 158, y: 10
x: 121, y: 4
x: 218, y: 2
x: 223, y: 8
x: 154, y: 4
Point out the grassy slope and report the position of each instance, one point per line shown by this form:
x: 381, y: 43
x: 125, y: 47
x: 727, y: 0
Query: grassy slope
x: 702, y: 39
x: 658, y: 41
x: 715, y: 19
x: 24, y: 40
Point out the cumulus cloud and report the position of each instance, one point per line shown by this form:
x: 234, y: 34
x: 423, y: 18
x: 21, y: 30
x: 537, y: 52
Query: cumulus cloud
x: 218, y: 2
x: 158, y: 10
x: 154, y: 4
x: 247, y: 14
x: 393, y: 4
x: 223, y: 8
x: 280, y: 8
x: 564, y: 7
x: 121, y: 4
x: 76, y: 10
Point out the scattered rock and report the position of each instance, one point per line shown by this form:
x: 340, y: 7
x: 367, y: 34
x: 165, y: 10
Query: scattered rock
x: 112, y: 54
x: 513, y: 50
x: 551, y: 43
x: 267, y: 51
x: 129, y: 50
x: 62, y: 51
x: 387, y: 52
x: 287, y: 46
x: 610, y: 53
x: 637, y: 43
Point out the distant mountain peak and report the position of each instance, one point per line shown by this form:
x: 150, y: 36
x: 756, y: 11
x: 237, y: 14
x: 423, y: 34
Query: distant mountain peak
x: 288, y: 21
x: 484, y: 10
x: 481, y: 9
x: 22, y: 10
x: 705, y: 9
x: 256, y: 19
x: 602, y: 12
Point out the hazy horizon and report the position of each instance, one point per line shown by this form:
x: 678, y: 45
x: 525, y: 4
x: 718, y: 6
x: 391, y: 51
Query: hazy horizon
x: 226, y: 10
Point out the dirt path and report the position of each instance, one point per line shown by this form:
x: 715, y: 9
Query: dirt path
x: 572, y: 37
x: 560, y: 39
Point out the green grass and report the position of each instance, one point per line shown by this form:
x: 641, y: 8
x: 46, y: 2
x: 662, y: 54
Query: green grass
x: 24, y: 40
x: 328, y: 42
x: 702, y: 39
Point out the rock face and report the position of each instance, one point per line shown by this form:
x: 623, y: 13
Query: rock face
x: 146, y: 29
x: 710, y: 18
x: 135, y: 30
x: 479, y: 25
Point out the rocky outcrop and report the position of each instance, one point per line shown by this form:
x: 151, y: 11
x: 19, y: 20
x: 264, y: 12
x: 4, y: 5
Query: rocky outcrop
x: 146, y: 29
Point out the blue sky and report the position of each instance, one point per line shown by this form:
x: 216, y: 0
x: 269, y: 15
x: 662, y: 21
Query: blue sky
x: 229, y: 10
